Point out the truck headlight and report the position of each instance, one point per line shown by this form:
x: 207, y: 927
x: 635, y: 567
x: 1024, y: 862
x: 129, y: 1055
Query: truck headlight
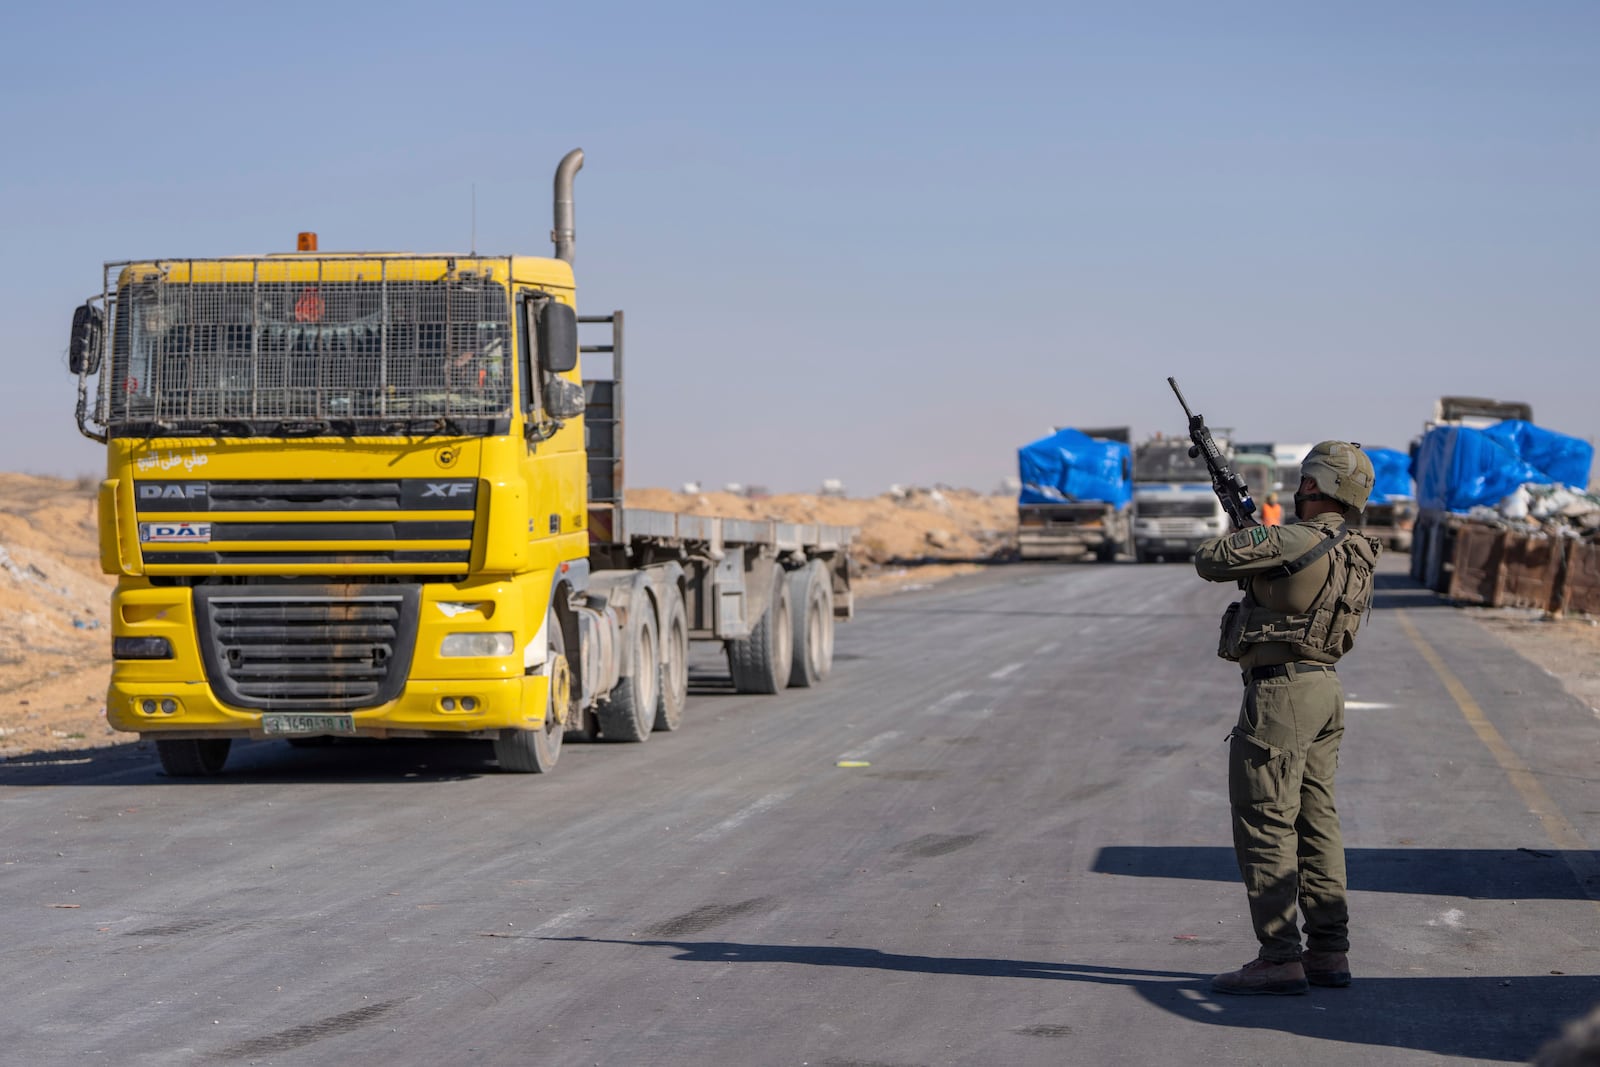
x: 476, y: 644
x: 141, y: 648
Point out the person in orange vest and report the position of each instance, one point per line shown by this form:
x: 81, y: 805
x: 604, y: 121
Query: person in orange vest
x: 1272, y: 511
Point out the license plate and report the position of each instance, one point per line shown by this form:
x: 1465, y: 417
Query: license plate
x: 1177, y: 543
x: 280, y: 724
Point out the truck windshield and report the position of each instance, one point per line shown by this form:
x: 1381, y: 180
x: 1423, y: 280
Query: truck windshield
x: 288, y: 358
x: 1168, y: 461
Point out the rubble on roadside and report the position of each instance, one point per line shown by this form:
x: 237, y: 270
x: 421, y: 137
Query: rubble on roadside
x: 1555, y: 510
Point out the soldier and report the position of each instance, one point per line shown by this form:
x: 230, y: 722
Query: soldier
x: 1306, y: 587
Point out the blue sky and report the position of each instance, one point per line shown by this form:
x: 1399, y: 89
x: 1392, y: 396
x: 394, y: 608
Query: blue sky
x: 875, y: 242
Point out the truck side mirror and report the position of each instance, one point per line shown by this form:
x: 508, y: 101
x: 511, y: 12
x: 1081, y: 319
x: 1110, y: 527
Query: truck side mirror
x: 558, y: 338
x: 88, y: 329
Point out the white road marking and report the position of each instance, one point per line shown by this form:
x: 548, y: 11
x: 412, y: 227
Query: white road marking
x: 948, y: 699
x: 1451, y: 918
x: 870, y: 746
x: 1365, y: 705
x: 740, y: 817
x: 1009, y: 668
x: 559, y: 920
x: 1045, y: 650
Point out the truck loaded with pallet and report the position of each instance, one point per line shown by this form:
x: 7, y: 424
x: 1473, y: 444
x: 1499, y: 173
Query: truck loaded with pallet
x: 1505, y: 519
x: 1446, y: 488
x: 375, y: 495
x: 1076, y: 495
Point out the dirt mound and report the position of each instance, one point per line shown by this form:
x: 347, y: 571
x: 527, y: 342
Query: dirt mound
x: 55, y: 640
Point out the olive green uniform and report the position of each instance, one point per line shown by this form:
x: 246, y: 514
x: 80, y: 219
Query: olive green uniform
x: 1285, y: 748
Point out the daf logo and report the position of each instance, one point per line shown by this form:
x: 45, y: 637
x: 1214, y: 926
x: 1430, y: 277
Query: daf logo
x: 447, y: 489
x: 172, y: 491
x: 169, y: 532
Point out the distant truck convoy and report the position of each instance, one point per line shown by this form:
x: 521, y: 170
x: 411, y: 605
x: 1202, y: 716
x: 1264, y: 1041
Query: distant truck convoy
x: 1175, y: 508
x: 1076, y: 495
x: 375, y: 495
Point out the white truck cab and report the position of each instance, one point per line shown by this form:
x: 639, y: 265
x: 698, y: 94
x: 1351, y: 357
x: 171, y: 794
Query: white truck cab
x: 1174, y: 506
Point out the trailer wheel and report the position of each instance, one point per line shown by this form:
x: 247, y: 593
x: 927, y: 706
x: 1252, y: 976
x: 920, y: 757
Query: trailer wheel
x: 629, y: 713
x: 674, y: 665
x: 201, y: 758
x: 536, y: 751
x: 760, y: 663
x: 811, y: 620
x: 1106, y: 551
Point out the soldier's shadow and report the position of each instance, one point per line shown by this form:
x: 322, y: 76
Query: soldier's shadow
x: 1490, y: 1017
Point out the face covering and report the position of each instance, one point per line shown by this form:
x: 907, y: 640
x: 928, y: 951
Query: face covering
x: 1302, y: 499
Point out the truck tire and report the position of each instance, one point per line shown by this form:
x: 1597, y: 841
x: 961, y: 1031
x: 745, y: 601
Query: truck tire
x: 811, y: 621
x: 202, y: 758
x: 629, y: 713
x: 1421, y: 539
x: 1106, y: 551
x: 674, y: 665
x: 536, y: 751
x: 760, y: 663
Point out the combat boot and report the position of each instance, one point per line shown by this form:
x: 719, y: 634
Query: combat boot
x: 1263, y: 976
x: 1326, y: 968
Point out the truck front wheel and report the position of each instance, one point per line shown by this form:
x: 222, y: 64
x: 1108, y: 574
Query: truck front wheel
x: 194, y: 758
x: 536, y: 751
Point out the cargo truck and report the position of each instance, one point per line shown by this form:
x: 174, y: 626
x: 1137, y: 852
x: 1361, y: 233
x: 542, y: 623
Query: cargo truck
x: 377, y: 495
x: 1434, y: 528
x: 1075, y: 499
x: 1174, y: 505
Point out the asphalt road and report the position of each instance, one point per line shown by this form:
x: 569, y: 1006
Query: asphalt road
x: 1034, y: 868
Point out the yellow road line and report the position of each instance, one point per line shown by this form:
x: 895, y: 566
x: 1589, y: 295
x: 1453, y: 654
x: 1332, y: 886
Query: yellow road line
x: 1574, y: 850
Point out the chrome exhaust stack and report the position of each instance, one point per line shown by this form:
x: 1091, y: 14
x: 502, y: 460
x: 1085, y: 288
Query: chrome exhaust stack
x: 565, y: 236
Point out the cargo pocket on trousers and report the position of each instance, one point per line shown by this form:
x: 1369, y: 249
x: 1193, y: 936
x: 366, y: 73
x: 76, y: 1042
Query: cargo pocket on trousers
x: 1255, y: 770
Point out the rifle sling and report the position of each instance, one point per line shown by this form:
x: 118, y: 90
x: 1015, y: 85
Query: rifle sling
x: 1307, y: 558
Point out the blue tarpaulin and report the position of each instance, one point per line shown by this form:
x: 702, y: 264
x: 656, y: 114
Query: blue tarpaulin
x: 1070, y: 466
x: 1458, y: 468
x: 1392, y: 471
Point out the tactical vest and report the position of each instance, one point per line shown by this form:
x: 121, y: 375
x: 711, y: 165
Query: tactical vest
x: 1328, y: 626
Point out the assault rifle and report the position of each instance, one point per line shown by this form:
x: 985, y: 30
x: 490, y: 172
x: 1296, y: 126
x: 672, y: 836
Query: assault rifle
x: 1229, y: 486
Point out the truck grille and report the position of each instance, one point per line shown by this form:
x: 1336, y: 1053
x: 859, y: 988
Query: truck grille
x: 195, y: 525
x: 1179, y: 528
x: 1153, y: 509
x: 307, y: 648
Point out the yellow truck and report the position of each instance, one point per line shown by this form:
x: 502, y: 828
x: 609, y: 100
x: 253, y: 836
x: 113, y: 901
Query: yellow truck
x: 377, y: 495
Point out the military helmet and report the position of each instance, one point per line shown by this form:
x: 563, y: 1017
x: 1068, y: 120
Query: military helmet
x: 1342, y: 472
